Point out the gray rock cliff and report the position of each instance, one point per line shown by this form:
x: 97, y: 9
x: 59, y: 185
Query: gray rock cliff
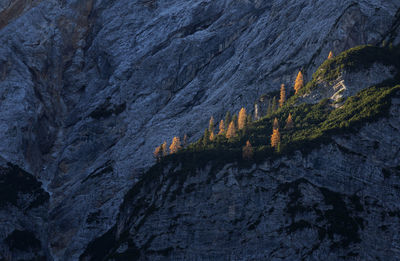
x: 88, y: 88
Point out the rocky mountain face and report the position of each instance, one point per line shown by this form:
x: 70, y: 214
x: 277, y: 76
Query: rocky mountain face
x: 88, y: 88
x: 340, y: 201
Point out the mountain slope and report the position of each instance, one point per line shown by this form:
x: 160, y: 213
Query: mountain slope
x: 88, y: 88
x: 327, y: 199
x: 338, y: 201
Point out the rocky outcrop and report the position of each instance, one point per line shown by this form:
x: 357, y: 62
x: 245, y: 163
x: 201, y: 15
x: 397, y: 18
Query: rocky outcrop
x: 349, y: 83
x: 88, y: 88
x: 339, y: 201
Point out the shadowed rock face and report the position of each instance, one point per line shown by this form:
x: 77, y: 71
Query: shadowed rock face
x: 23, y: 213
x: 89, y: 88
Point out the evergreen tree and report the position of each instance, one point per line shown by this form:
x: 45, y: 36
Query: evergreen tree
x: 206, y: 137
x: 211, y: 124
x: 221, y: 127
x: 283, y: 96
x: 275, y: 138
x: 235, y: 119
x: 289, y: 122
x: 164, y: 149
x: 269, y: 110
x: 274, y: 106
x: 242, y: 118
x: 247, y: 151
x: 175, y: 145
x: 249, y: 120
x: 299, y: 82
x: 276, y: 124
x: 185, y: 140
x: 228, y: 119
x: 330, y: 56
x: 231, y: 130
x: 278, y: 149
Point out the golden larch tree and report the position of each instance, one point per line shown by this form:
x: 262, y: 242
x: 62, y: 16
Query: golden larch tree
x: 221, y: 127
x: 158, y: 153
x: 330, y: 56
x: 212, y: 136
x: 283, y: 96
x: 298, y: 84
x: 175, y: 145
x: 211, y: 124
x: 242, y: 118
x: 248, y: 151
x: 231, y: 130
x: 289, y: 122
x: 275, y: 138
x: 276, y: 124
x: 164, y: 149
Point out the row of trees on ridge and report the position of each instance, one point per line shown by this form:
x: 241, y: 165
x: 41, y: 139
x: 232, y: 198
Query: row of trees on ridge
x: 231, y: 125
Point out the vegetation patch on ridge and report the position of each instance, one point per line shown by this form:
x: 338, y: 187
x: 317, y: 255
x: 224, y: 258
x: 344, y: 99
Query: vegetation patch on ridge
x: 313, y: 124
